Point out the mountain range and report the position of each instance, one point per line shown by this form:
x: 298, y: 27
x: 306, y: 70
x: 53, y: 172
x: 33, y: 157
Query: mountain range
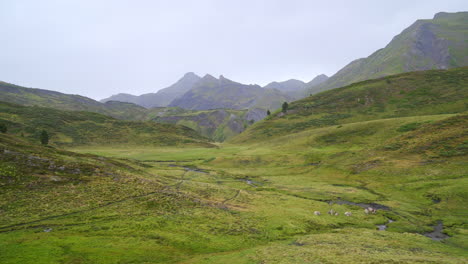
x: 438, y: 43
x: 192, y: 92
x: 161, y: 98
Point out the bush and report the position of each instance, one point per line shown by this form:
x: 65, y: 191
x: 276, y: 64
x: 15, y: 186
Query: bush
x: 409, y: 127
x: 44, y: 137
x: 3, y: 128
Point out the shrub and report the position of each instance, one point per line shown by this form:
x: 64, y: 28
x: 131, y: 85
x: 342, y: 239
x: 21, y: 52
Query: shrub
x: 3, y: 128
x: 44, y: 137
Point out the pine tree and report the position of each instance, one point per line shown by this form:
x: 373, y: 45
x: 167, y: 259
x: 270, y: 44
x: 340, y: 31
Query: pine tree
x: 44, y: 137
x: 285, y: 107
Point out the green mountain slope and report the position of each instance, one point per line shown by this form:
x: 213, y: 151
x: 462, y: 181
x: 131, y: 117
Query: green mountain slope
x: 438, y: 43
x: 38, y: 97
x: 407, y: 94
x: 83, y: 128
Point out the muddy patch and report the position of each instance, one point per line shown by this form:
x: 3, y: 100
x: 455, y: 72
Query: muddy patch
x: 437, y: 234
x: 189, y: 168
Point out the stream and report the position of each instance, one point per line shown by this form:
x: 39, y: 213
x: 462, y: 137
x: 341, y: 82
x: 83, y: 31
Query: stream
x: 363, y: 205
x: 385, y: 226
x: 188, y: 168
x: 437, y: 234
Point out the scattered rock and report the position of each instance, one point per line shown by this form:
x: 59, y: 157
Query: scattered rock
x: 55, y: 178
x: 297, y: 243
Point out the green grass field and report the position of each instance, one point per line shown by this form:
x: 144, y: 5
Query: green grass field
x: 249, y: 203
x: 251, y: 199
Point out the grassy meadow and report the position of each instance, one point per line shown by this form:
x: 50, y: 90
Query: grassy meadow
x: 250, y: 203
x: 251, y: 199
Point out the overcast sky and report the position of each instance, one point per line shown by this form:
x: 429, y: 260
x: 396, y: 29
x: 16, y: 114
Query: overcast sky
x: 98, y: 48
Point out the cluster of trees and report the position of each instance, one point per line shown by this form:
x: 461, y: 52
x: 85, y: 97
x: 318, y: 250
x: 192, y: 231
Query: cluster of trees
x: 284, y: 108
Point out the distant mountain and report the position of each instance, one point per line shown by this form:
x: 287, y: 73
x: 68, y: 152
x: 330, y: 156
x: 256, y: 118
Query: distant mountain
x: 29, y: 96
x: 161, y: 98
x: 319, y: 79
x: 213, y: 93
x: 438, y: 43
x: 293, y: 88
x: 296, y: 89
x: 291, y: 85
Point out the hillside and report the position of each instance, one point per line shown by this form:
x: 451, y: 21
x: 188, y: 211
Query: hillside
x: 407, y: 94
x: 161, y: 98
x: 213, y: 93
x: 72, y: 128
x: 438, y: 43
x: 39, y: 97
x: 218, y: 125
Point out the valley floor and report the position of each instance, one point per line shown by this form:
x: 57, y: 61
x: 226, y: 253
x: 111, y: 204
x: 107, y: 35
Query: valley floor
x: 255, y: 203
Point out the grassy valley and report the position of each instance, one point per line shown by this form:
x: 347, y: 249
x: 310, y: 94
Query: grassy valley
x: 398, y: 144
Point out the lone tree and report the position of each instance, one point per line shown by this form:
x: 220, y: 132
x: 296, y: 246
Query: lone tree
x: 3, y: 128
x: 44, y: 137
x: 285, y: 107
x: 268, y: 112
